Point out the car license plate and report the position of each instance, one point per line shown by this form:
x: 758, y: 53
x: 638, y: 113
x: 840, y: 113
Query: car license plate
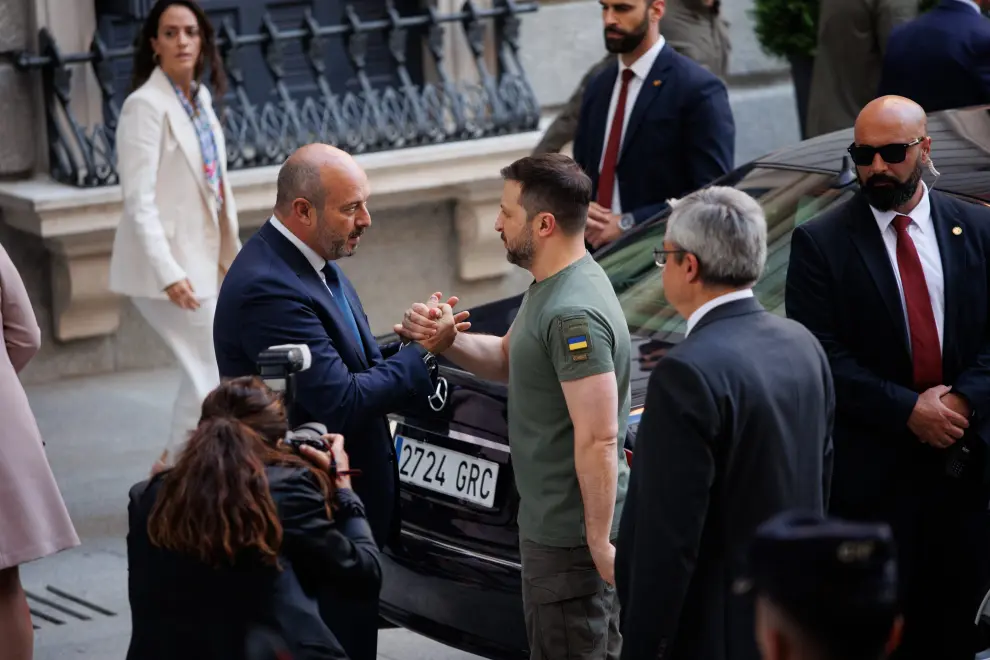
x: 445, y: 471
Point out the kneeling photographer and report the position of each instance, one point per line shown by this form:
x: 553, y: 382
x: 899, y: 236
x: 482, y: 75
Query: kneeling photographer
x: 228, y: 549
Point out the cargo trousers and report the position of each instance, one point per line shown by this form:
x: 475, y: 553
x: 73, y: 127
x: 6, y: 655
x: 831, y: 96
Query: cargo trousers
x: 571, y: 612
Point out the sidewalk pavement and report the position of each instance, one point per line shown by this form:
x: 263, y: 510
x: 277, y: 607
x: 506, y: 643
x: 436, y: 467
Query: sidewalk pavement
x: 102, y: 435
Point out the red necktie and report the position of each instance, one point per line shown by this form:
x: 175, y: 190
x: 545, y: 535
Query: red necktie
x: 926, y: 353
x: 606, y: 180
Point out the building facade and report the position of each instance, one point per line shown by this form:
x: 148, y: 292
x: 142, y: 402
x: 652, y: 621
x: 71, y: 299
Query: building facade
x: 433, y: 104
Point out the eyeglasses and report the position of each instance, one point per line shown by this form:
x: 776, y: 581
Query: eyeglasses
x: 863, y: 154
x: 660, y: 255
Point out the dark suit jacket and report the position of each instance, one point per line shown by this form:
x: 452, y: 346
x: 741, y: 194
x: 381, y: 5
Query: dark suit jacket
x: 182, y: 608
x: 941, y: 59
x: 272, y: 295
x: 737, y: 428
x: 841, y: 285
x: 681, y: 135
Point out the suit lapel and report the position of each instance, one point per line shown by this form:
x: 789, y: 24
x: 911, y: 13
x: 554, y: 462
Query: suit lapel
x: 648, y: 93
x: 865, y: 235
x: 599, y: 109
x: 952, y: 250
x: 185, y: 133
x: 317, y: 290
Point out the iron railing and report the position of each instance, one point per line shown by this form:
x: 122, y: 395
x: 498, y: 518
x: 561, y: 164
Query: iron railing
x: 265, y: 133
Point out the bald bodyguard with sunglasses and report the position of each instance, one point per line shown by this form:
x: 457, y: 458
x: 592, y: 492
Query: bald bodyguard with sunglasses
x: 895, y: 285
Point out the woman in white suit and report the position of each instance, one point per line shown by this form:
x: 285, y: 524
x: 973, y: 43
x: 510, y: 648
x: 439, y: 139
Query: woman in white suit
x: 179, y: 230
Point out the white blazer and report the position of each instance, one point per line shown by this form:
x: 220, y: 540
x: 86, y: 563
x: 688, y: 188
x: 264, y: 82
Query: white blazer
x: 171, y: 228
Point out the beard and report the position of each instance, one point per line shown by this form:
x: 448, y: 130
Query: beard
x: 333, y: 244
x: 889, y: 197
x: 618, y: 41
x: 521, y: 252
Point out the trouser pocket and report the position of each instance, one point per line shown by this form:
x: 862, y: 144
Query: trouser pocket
x: 568, y: 612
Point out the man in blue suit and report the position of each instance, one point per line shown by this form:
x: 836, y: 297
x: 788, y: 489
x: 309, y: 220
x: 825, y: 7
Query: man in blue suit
x: 654, y: 126
x: 941, y: 59
x: 284, y: 287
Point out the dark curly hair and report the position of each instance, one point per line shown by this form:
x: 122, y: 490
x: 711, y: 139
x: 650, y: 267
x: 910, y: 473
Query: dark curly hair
x: 215, y: 504
x: 144, y: 55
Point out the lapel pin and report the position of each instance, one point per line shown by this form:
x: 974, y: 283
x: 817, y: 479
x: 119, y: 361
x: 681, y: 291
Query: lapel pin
x: 656, y: 83
x: 957, y: 230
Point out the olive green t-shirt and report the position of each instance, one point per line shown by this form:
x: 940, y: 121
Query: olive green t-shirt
x: 569, y: 326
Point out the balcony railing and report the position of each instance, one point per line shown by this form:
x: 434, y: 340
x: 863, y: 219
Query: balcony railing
x: 265, y: 133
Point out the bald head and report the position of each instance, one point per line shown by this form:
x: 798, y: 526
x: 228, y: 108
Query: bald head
x: 891, y: 145
x: 309, y: 173
x: 890, y: 119
x: 321, y: 198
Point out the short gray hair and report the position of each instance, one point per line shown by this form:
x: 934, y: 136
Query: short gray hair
x: 725, y: 229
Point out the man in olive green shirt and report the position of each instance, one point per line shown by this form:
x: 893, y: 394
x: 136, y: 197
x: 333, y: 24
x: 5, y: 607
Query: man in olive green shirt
x: 566, y: 359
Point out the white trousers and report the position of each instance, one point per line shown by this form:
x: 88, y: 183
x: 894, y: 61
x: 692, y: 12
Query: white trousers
x: 189, y: 334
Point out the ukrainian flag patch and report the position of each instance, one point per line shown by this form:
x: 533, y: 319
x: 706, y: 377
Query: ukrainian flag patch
x: 576, y: 336
x: 577, y: 343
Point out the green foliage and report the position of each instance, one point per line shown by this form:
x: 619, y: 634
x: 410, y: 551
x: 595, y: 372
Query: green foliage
x: 787, y: 28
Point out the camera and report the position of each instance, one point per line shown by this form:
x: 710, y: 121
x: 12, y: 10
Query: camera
x: 278, y: 366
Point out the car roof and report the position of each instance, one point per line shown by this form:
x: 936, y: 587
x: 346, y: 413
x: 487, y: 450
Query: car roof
x: 960, y: 151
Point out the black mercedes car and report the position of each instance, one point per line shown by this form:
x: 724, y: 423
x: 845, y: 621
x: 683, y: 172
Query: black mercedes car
x: 455, y: 576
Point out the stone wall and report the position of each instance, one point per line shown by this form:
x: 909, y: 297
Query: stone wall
x: 18, y: 101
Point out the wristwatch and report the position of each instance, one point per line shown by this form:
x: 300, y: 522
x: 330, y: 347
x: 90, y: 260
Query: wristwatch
x: 626, y: 221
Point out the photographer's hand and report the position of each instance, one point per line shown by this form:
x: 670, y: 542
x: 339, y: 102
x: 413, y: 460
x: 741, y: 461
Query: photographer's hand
x: 326, y: 460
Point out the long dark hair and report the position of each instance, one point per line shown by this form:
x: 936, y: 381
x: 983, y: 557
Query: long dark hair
x: 144, y: 56
x: 215, y: 504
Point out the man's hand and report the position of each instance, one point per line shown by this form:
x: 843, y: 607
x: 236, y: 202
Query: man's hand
x: 934, y: 422
x: 957, y: 403
x: 603, y: 555
x: 602, y: 227
x: 420, y: 321
x: 446, y: 331
x: 181, y: 294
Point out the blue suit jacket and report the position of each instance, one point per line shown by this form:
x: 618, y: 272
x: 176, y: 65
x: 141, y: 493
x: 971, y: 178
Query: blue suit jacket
x: 272, y: 295
x: 941, y: 59
x: 681, y: 135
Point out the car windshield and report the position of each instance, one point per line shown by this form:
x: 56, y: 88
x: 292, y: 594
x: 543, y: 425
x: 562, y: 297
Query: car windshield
x: 789, y: 198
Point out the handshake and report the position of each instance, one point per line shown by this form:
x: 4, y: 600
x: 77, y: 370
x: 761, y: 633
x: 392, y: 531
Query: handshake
x: 433, y: 324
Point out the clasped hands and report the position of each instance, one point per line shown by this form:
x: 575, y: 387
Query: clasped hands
x: 940, y: 417
x: 433, y: 324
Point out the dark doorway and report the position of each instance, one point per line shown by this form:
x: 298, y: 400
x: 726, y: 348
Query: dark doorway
x: 119, y: 22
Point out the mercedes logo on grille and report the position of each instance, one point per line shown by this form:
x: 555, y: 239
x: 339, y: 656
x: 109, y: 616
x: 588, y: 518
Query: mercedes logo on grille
x: 439, y: 398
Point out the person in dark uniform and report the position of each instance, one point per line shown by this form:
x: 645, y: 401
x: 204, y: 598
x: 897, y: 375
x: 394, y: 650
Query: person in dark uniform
x: 825, y: 588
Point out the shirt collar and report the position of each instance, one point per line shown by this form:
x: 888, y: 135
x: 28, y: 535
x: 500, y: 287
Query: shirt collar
x: 921, y: 215
x: 699, y: 313
x: 315, y: 260
x: 641, y: 67
x: 972, y: 3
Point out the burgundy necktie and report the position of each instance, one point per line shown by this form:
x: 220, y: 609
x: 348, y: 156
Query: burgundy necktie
x: 926, y: 353
x: 606, y: 180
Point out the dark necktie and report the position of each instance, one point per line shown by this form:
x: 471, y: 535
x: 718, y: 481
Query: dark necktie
x: 606, y: 180
x: 926, y: 354
x: 333, y: 283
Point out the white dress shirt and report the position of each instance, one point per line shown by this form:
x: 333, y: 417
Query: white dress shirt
x: 699, y: 313
x: 922, y: 232
x: 315, y: 260
x: 972, y: 3
x: 641, y: 69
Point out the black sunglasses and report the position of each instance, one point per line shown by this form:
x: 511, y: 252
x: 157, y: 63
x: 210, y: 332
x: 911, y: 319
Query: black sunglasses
x: 863, y: 154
